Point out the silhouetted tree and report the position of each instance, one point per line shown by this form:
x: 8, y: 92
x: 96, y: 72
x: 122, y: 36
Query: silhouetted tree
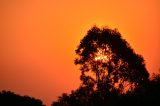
x: 107, y: 61
x: 111, y: 73
x: 8, y: 98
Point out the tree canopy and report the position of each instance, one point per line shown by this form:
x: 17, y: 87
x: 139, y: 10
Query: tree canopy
x: 107, y: 61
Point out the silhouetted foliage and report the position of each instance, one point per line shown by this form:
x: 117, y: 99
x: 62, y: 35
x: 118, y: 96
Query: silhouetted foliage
x: 111, y: 73
x: 8, y: 98
x: 144, y: 96
x: 108, y: 62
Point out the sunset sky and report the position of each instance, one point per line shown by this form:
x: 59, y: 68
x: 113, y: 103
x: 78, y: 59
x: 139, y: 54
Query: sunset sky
x: 38, y: 39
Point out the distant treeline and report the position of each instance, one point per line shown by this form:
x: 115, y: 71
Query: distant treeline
x: 8, y: 98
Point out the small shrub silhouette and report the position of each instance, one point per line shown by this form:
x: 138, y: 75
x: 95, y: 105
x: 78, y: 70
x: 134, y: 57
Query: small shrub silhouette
x: 8, y: 98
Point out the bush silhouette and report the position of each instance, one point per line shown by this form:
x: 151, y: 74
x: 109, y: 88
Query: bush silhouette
x: 8, y: 98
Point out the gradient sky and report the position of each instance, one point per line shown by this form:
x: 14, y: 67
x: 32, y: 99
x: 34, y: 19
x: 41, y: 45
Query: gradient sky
x: 38, y: 39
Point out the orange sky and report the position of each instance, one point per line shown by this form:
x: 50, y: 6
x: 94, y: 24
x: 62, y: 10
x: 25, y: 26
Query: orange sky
x: 38, y: 39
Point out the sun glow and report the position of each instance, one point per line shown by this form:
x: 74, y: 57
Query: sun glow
x: 101, y: 56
